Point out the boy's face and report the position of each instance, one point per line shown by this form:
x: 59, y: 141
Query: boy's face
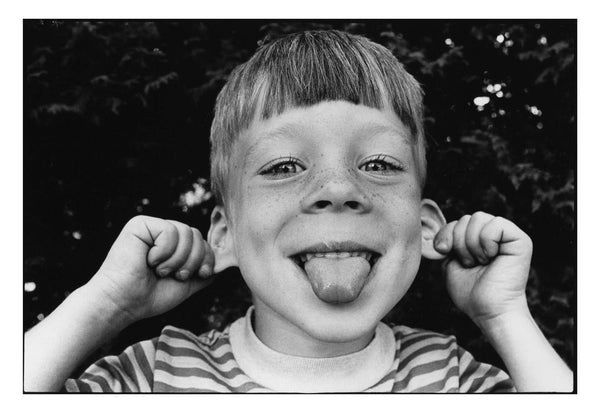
x: 337, y: 179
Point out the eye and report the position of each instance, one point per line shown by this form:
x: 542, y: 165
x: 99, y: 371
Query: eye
x: 382, y: 164
x: 282, y: 168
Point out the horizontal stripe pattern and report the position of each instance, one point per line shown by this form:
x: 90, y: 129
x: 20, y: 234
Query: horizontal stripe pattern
x: 179, y: 361
x: 431, y: 363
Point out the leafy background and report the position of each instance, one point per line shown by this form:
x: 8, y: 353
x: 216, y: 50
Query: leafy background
x: 116, y: 123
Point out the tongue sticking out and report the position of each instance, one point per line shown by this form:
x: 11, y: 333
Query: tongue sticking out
x: 337, y: 280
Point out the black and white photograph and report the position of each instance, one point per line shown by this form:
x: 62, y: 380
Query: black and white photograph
x: 300, y: 205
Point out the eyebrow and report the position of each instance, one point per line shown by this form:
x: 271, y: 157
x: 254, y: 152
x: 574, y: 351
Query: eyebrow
x: 285, y: 130
x: 375, y: 128
x: 269, y: 136
x: 368, y: 128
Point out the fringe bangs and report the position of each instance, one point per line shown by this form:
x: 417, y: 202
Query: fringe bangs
x: 304, y: 69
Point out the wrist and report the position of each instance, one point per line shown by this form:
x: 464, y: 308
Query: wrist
x: 100, y: 309
x: 502, y: 326
x: 506, y: 320
x: 532, y: 363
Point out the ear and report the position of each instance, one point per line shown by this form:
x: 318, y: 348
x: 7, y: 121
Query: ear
x: 432, y: 220
x: 220, y: 238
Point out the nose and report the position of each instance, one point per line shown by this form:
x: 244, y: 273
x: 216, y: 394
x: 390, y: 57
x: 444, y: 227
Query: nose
x: 337, y: 192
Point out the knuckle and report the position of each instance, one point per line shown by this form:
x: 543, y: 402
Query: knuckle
x: 170, y: 228
x: 170, y: 237
x: 456, y: 229
x: 136, y: 220
x: 500, y: 220
x: 185, y: 232
x: 472, y: 239
x: 480, y: 215
x: 451, y: 225
x: 172, y: 221
x: 175, y: 224
x: 183, y: 227
x: 197, y: 237
x: 484, y: 235
x: 465, y: 217
x: 189, y: 234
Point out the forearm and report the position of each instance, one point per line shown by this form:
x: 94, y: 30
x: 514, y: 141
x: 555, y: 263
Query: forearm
x: 531, y: 361
x: 56, y: 346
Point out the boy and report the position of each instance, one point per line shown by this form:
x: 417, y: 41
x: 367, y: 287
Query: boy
x: 318, y: 164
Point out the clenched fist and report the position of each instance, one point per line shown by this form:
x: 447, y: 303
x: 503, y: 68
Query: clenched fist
x: 154, y: 265
x: 487, y: 265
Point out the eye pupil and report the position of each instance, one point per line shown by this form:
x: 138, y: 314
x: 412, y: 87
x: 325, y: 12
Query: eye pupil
x: 280, y: 169
x: 382, y: 165
x: 374, y: 166
x: 286, y: 168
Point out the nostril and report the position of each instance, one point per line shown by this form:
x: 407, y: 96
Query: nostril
x: 322, y: 204
x: 353, y: 204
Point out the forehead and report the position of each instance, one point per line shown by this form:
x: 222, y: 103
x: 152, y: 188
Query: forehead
x: 331, y: 117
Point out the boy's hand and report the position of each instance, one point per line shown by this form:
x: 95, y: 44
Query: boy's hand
x: 487, y: 265
x: 153, y: 266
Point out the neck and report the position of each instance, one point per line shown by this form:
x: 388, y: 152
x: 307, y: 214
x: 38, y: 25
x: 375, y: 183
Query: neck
x: 354, y: 372
x: 284, y: 337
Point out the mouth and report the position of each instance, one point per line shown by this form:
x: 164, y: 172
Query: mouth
x: 337, y: 271
x: 335, y: 250
x: 303, y: 258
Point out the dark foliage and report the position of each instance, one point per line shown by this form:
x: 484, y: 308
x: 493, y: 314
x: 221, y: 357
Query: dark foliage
x: 117, y: 117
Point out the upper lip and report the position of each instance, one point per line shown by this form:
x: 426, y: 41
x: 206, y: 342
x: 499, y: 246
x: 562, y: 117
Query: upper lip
x: 335, y: 246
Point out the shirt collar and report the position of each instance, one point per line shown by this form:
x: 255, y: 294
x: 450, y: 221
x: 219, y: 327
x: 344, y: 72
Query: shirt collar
x: 353, y: 372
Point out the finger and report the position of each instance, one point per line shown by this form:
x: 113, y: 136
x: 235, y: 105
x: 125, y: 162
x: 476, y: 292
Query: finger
x: 181, y: 253
x: 170, y: 287
x: 459, y: 245
x: 501, y: 236
x: 443, y: 239
x: 163, y: 236
x: 208, y: 263
x: 194, y: 259
x: 472, y: 235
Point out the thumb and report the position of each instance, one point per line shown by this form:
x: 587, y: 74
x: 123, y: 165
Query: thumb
x: 153, y: 239
x: 160, y: 235
x: 170, y: 292
x: 450, y: 264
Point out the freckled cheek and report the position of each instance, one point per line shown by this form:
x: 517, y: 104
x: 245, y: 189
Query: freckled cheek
x: 400, y: 218
x: 261, y: 214
x: 404, y: 231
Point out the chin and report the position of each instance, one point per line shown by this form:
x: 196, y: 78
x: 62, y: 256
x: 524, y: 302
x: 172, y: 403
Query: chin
x: 340, y: 335
x: 341, y: 323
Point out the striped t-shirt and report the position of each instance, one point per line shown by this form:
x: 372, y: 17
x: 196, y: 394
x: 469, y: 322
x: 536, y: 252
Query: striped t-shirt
x: 179, y: 361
